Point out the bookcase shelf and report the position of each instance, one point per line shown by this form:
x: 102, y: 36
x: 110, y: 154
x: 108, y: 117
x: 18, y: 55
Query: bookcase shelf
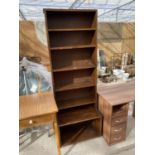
x: 71, y: 80
x: 76, y: 102
x: 78, y: 29
x: 73, y: 86
x: 78, y: 97
x: 73, y: 59
x: 72, y: 47
x: 71, y: 38
x: 77, y: 115
x: 75, y: 67
x: 72, y: 43
x: 71, y: 19
x: 75, y: 130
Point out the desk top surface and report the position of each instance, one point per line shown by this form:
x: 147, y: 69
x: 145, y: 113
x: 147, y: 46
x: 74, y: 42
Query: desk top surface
x: 36, y: 105
x: 118, y: 93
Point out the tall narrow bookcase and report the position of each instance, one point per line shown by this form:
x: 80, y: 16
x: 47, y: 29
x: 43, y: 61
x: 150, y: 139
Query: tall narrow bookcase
x: 72, y: 38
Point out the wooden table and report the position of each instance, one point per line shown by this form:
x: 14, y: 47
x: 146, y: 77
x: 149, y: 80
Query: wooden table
x: 113, y: 104
x: 39, y: 109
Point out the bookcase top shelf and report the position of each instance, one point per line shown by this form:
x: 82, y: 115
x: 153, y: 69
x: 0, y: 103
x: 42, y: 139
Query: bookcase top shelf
x: 69, y: 10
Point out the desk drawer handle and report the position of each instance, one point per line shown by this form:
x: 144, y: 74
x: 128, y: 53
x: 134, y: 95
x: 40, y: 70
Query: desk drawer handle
x: 30, y: 122
x: 118, y: 130
x: 117, y: 121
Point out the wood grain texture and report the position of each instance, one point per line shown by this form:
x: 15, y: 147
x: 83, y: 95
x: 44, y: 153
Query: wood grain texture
x: 115, y: 110
x: 75, y: 102
x: 39, y: 109
x: 118, y: 93
x: 34, y: 121
x: 57, y: 134
x: 117, y: 138
x: 118, y: 120
x: 29, y: 44
x: 128, y: 43
x: 75, y: 130
x: 118, y: 129
x: 114, y: 123
x: 77, y: 94
x: 78, y: 29
x: 80, y: 114
x: 73, y: 59
x: 72, y: 49
x: 36, y: 105
x: 116, y: 38
x: 74, y: 38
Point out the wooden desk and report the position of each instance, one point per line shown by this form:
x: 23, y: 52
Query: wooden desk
x: 38, y: 109
x: 113, y: 104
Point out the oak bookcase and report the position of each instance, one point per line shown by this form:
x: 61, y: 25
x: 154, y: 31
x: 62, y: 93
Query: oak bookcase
x: 72, y: 44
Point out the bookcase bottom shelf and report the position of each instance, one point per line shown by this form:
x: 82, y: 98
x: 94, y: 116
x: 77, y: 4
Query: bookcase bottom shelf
x: 80, y: 132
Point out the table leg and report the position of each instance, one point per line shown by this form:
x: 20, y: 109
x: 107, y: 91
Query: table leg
x: 134, y: 110
x: 57, y: 135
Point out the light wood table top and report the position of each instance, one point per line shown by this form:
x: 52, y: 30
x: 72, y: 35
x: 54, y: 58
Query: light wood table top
x: 37, y: 105
x: 118, y: 93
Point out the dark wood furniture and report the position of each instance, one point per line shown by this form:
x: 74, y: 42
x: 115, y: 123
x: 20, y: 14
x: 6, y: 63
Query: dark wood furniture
x: 38, y: 109
x: 113, y: 104
x: 71, y: 36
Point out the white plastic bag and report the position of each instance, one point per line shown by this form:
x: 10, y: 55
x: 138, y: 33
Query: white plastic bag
x: 33, y: 78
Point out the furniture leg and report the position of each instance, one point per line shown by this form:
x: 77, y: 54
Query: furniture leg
x: 133, y: 110
x: 57, y: 136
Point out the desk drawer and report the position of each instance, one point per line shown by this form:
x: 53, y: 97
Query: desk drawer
x: 27, y: 123
x: 118, y: 120
x: 118, y: 129
x: 117, y: 138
